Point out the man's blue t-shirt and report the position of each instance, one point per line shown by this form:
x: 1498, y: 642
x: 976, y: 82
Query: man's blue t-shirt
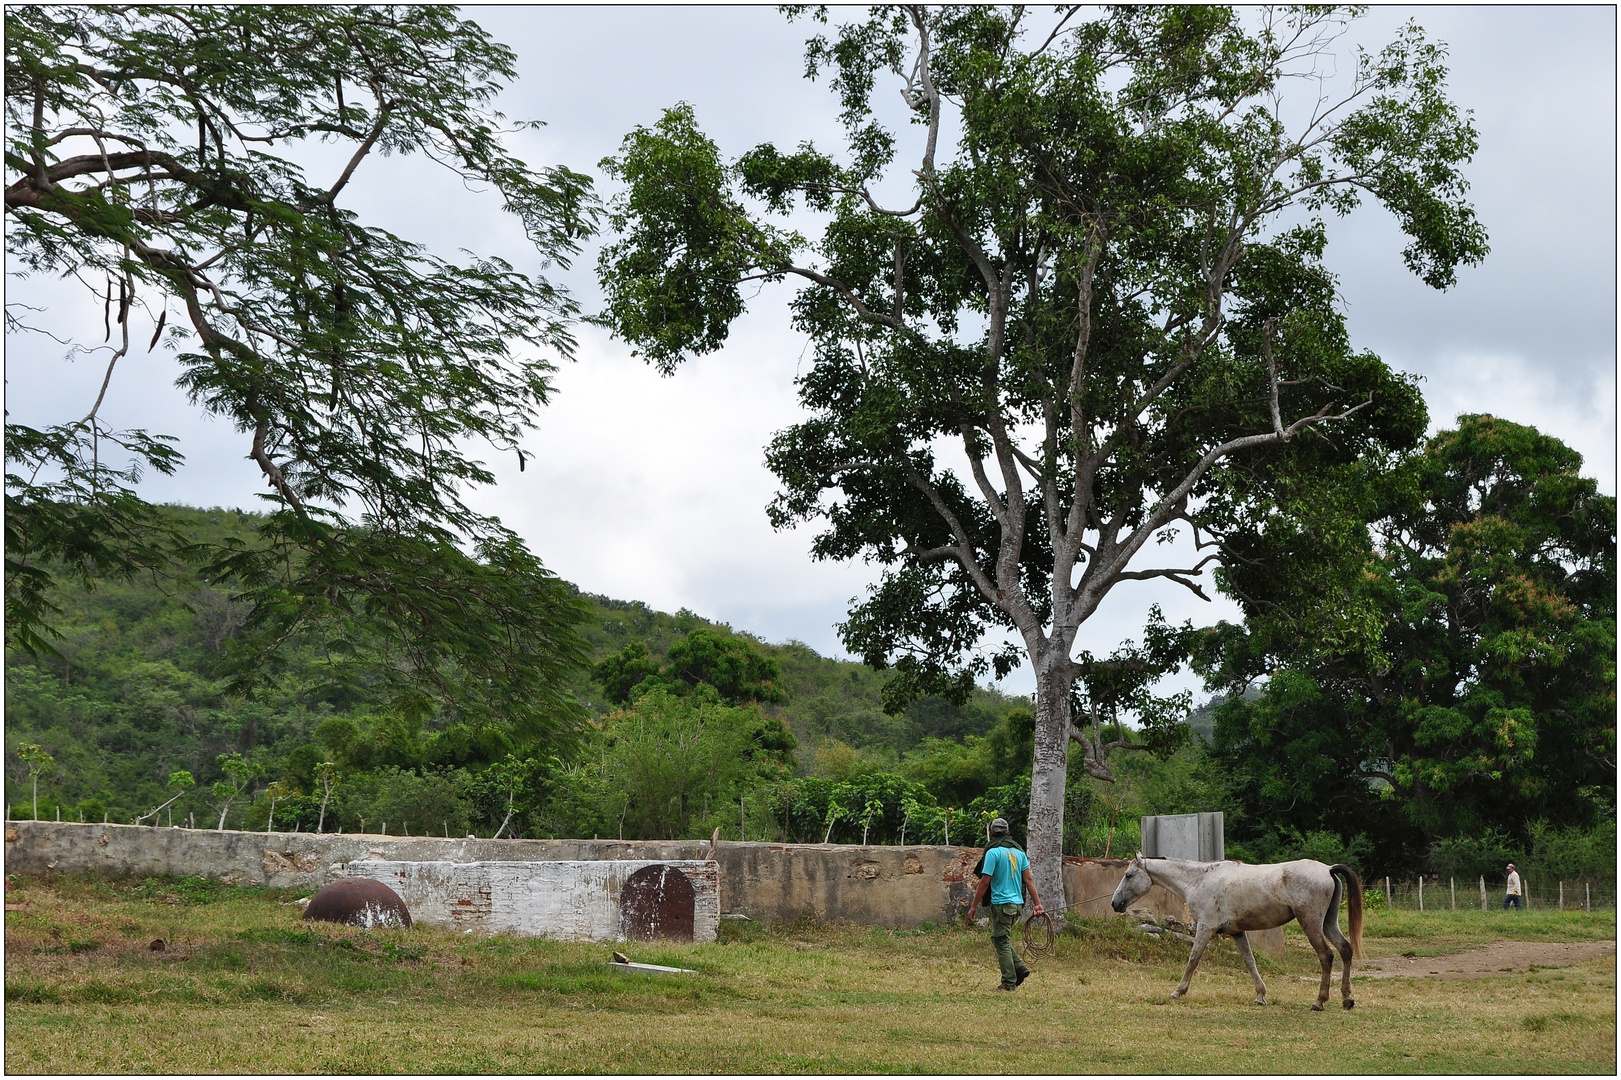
x: 1006, y: 866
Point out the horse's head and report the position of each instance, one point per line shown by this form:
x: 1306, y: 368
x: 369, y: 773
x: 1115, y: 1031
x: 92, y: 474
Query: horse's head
x: 1133, y: 885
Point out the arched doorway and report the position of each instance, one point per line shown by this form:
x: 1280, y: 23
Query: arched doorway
x: 657, y: 903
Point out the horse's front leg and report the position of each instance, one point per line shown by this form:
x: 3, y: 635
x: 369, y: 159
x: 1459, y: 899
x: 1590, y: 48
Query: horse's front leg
x: 1243, y: 943
x: 1201, y: 938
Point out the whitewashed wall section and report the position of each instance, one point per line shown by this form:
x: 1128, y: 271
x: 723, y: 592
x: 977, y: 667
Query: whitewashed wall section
x: 565, y: 901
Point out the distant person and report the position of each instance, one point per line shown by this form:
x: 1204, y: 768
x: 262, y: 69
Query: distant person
x: 1004, y: 872
x: 1513, y: 898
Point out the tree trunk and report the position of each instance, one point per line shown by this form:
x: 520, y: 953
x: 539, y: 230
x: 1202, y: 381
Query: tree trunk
x: 1048, y: 779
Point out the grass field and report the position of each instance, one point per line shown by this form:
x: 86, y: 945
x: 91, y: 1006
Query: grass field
x: 243, y: 986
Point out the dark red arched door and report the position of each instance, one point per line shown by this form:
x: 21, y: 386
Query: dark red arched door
x: 657, y: 903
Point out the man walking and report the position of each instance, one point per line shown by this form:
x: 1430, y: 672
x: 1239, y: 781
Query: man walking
x: 1004, y: 873
x: 1513, y: 898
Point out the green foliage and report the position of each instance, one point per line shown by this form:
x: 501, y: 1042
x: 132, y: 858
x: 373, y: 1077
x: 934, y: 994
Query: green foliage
x: 1322, y: 845
x: 359, y: 366
x: 810, y: 809
x: 38, y: 760
x: 1553, y: 854
x: 423, y: 804
x: 733, y: 667
x: 1571, y: 852
x: 678, y: 222
x: 187, y: 890
x: 1482, y: 854
x: 1123, y: 683
x: 1475, y: 694
x: 181, y: 781
x: 237, y: 774
x: 1009, y: 801
x: 668, y: 767
x: 886, y: 291
x: 139, y: 693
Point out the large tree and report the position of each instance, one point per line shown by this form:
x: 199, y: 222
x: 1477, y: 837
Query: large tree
x: 1101, y: 312
x: 156, y: 155
x: 1473, y: 684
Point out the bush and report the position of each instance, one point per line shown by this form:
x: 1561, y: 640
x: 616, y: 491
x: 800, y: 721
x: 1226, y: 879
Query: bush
x: 1484, y: 854
x: 186, y: 890
x: 427, y: 805
x: 1571, y: 852
x: 669, y: 767
x: 1094, y: 840
x: 1287, y: 843
x: 807, y: 806
x: 1010, y: 801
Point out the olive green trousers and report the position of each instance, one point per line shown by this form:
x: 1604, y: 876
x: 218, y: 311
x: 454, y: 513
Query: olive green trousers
x: 1004, y: 917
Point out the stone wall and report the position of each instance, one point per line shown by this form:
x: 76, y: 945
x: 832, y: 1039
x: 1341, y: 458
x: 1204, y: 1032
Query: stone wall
x: 566, y: 901
x: 880, y: 886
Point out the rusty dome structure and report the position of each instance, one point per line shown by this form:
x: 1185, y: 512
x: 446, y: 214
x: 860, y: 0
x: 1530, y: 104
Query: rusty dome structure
x: 357, y: 901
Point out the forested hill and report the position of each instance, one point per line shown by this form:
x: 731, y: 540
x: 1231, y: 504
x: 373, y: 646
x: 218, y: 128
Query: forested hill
x: 142, y: 690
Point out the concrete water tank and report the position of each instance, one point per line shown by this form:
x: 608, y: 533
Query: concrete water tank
x: 1199, y: 837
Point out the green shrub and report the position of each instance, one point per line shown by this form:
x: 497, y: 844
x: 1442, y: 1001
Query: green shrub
x: 197, y: 890
x: 1571, y: 852
x: 425, y: 804
x: 1483, y: 854
x: 186, y: 890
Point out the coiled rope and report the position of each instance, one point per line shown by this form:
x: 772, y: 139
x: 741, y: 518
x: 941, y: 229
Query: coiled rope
x: 1040, y: 937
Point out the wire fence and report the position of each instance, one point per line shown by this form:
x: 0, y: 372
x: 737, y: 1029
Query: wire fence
x: 1433, y: 893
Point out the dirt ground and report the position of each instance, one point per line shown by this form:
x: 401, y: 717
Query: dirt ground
x: 1499, y: 958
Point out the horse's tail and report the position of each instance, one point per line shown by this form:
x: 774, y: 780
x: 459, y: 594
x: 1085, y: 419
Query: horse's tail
x: 1353, y: 894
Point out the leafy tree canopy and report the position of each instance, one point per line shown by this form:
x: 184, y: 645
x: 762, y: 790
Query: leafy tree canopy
x: 735, y: 668
x: 153, y: 155
x: 1102, y: 311
x: 1483, y: 699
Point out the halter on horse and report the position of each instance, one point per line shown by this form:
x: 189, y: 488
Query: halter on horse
x: 1231, y: 898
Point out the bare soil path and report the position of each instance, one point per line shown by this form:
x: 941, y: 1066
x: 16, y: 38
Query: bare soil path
x: 1499, y: 958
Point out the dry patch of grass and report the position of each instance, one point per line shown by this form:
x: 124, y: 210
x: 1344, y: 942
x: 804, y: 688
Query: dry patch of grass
x: 243, y: 986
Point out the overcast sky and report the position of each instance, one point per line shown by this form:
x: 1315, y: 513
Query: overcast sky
x: 652, y: 488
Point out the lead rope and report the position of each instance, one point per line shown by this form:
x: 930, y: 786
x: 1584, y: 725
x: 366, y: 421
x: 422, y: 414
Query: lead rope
x: 1041, y: 941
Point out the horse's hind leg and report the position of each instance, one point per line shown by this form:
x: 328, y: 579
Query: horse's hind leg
x: 1325, y: 955
x: 1331, y: 930
x: 1243, y: 943
x: 1201, y: 938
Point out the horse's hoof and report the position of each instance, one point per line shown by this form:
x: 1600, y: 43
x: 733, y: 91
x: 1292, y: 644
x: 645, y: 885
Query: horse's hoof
x: 1350, y: 1003
x: 1316, y: 1008
x: 1260, y: 1001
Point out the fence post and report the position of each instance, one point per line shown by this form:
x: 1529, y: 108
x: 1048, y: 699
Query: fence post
x: 1452, y: 885
x: 1482, y: 892
x: 1561, y: 896
x: 1421, y: 892
x: 1587, y: 888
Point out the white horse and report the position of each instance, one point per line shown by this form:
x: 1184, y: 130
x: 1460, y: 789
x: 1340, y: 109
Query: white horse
x: 1232, y: 897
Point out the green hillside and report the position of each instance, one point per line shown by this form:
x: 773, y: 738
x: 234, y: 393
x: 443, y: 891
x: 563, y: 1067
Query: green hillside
x: 143, y: 689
